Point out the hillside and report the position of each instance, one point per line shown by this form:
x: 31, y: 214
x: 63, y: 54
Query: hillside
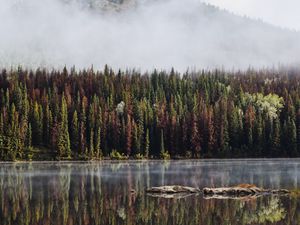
x: 142, y: 34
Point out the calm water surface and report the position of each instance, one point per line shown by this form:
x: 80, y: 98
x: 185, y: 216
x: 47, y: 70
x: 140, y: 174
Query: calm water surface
x: 114, y: 192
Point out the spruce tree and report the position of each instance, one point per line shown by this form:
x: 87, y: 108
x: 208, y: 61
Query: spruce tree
x: 162, y: 143
x: 63, y: 142
x: 147, y: 144
x: 37, y: 125
x: 74, y: 133
x: 98, y: 150
x: 292, y: 137
x: 276, y: 138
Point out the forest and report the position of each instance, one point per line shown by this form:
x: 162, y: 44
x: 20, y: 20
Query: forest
x: 91, y: 115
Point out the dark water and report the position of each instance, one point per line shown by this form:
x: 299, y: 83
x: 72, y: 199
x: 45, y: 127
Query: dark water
x: 102, y: 192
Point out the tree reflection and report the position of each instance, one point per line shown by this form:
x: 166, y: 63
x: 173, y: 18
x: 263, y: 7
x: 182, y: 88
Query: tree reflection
x: 89, y: 194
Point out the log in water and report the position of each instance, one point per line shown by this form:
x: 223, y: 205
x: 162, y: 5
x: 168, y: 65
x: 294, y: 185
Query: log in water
x: 241, y: 190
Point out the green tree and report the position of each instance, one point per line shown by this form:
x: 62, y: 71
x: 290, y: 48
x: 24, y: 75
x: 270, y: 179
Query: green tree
x: 74, y: 133
x: 147, y: 144
x: 63, y: 142
x: 276, y: 138
x: 98, y: 149
x: 37, y: 124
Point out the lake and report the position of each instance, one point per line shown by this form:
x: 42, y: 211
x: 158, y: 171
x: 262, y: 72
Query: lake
x: 114, y: 192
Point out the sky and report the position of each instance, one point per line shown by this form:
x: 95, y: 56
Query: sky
x: 283, y: 13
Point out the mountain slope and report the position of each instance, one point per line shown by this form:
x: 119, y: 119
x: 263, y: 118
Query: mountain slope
x: 143, y: 34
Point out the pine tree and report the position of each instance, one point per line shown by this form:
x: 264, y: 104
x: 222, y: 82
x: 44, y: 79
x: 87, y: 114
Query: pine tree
x: 224, y: 134
x: 37, y: 125
x: 128, y: 136
x: 195, y: 138
x: 91, y: 145
x: 258, y: 135
x: 234, y: 131
x: 13, y: 134
x: 210, y: 132
x: 98, y: 149
x: 292, y: 137
x: 249, y: 120
x: 91, y: 124
x: 82, y: 128
x: 147, y: 144
x: 276, y: 138
x: 298, y: 131
x: 162, y: 143
x: 74, y: 133
x: 63, y: 142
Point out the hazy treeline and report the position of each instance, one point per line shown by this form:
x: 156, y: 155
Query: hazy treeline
x: 88, y: 114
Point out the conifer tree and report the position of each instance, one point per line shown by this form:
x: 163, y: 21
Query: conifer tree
x: 292, y: 137
x: 195, y: 138
x: 37, y: 125
x: 162, y: 142
x: 82, y: 128
x: 98, y: 149
x: 128, y: 135
x: 29, y: 136
x: 147, y: 144
x: 298, y: 131
x: 276, y: 138
x: 74, y: 133
x: 63, y: 142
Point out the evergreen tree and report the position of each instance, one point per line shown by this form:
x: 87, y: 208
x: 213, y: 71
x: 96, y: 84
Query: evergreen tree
x: 292, y: 137
x: 29, y: 136
x: 98, y: 149
x: 276, y: 138
x: 63, y: 142
x: 147, y: 144
x: 37, y: 125
x: 298, y: 131
x: 195, y: 138
x: 74, y: 133
x: 128, y: 136
x: 82, y: 128
x: 162, y: 142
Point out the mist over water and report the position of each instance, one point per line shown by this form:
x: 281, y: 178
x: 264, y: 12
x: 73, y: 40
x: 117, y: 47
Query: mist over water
x: 114, y: 192
x: 142, y: 34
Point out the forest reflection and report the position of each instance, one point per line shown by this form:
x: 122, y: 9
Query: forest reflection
x: 114, y: 193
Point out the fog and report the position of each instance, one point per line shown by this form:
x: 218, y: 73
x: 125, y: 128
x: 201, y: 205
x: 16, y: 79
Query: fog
x: 281, y: 13
x: 271, y: 173
x: 144, y: 35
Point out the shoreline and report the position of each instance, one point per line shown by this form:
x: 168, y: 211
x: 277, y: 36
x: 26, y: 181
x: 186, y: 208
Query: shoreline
x: 147, y: 160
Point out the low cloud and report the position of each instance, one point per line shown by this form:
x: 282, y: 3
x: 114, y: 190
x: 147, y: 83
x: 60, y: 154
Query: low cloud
x: 157, y: 34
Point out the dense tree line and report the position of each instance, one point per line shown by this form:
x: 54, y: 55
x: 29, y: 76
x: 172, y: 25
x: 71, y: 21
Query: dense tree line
x: 93, y: 114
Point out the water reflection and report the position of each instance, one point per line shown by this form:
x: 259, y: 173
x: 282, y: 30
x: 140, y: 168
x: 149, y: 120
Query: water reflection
x: 113, y: 193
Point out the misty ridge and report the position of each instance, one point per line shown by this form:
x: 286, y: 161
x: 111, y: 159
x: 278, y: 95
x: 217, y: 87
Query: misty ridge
x: 144, y: 34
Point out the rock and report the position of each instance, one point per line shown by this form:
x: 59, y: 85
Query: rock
x: 173, y: 189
